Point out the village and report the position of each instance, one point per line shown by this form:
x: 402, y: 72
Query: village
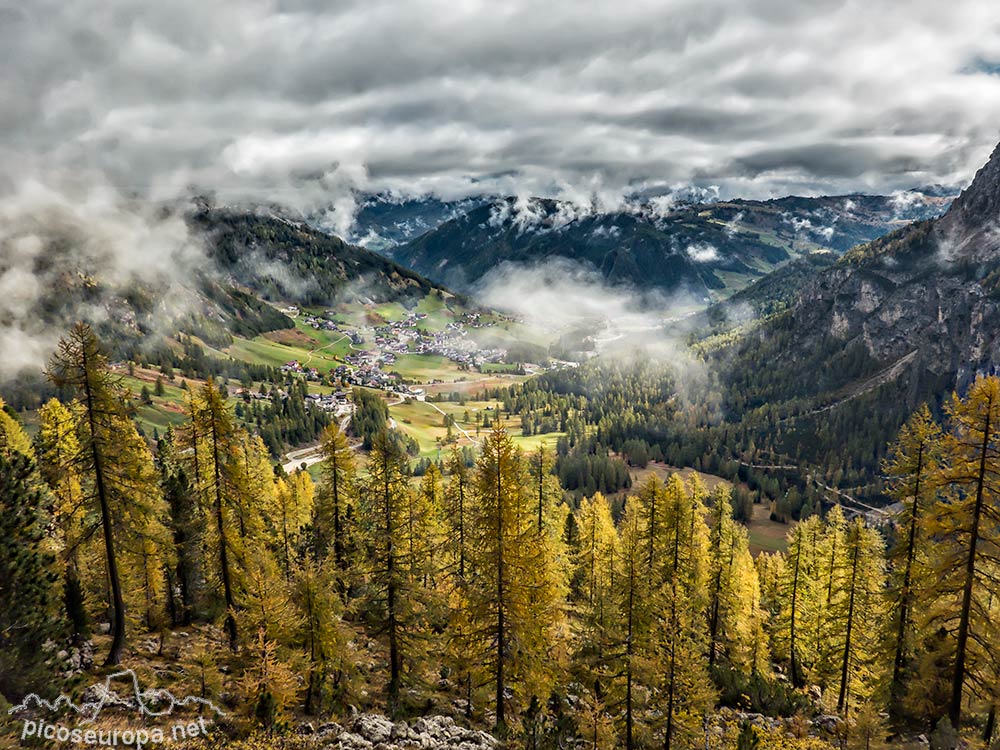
x: 372, y: 367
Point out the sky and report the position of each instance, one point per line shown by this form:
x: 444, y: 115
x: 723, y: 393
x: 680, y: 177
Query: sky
x: 304, y: 103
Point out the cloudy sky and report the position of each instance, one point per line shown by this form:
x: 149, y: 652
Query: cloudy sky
x: 302, y: 101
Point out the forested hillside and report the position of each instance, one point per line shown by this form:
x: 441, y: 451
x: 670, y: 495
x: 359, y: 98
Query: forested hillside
x: 282, y: 259
x: 824, y: 384
x: 499, y: 376
x: 485, y: 592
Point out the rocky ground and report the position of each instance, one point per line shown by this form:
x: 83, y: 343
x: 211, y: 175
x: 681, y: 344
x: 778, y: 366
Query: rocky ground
x: 375, y: 732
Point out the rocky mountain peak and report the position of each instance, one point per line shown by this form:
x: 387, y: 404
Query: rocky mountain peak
x: 972, y: 221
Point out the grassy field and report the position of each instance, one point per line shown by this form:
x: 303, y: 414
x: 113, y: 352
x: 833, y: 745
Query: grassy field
x: 767, y: 535
x: 261, y: 351
x: 438, y: 312
x: 165, y: 410
x: 663, y: 471
x: 150, y: 417
x: 426, y: 424
x: 421, y: 422
x: 499, y: 367
x: 309, y: 351
x: 426, y: 367
x: 473, y: 384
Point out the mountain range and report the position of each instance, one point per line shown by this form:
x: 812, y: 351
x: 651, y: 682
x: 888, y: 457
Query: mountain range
x: 235, y: 265
x: 904, y: 319
x: 384, y: 220
x: 709, y: 250
x: 929, y: 291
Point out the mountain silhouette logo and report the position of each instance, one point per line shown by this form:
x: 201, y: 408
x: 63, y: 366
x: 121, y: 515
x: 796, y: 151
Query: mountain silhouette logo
x: 155, y: 702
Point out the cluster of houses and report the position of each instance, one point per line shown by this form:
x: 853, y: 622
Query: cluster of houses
x: 248, y: 394
x: 365, y: 368
x: 454, y: 345
x: 337, y: 401
x: 405, y: 335
x: 370, y: 368
x: 396, y: 335
x: 366, y: 371
x: 296, y: 367
x: 475, y: 320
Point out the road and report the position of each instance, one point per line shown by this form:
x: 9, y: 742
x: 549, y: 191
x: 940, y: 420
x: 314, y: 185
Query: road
x: 312, y: 454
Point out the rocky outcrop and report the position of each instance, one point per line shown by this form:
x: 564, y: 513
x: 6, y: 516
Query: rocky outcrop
x: 376, y: 732
x: 969, y: 228
x: 932, y: 288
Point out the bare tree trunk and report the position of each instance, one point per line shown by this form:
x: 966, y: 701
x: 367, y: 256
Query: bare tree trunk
x: 899, y: 660
x: 117, y: 600
x: 958, y: 677
x: 227, y: 584
x: 845, y: 665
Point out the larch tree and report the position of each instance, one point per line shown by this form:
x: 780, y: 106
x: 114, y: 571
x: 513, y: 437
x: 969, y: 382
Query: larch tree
x: 858, y: 614
x: 912, y: 470
x: 634, y: 596
x: 545, y: 488
x: 828, y: 586
x: 294, y: 496
x: 513, y: 594
x: 595, y: 559
x: 798, y: 599
x: 336, y: 496
x: 255, y: 499
x: 652, y: 501
x: 551, y: 514
x: 424, y: 527
x: 684, y: 681
x: 734, y: 617
x: 384, y: 513
x: 58, y: 450
x: 457, y: 510
x: 965, y: 529
x: 114, y: 462
x: 322, y: 635
x: 187, y: 527
x: 599, y: 642
x: 770, y: 579
x: 723, y: 605
x: 216, y: 451
x: 13, y: 438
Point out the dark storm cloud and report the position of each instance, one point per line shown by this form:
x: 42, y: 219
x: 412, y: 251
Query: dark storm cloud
x: 302, y: 102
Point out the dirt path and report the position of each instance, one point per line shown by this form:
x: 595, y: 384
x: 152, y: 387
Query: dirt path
x: 321, y: 348
x: 441, y: 411
x: 880, y: 378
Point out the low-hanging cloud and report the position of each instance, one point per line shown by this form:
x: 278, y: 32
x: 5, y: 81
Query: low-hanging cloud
x: 703, y: 252
x: 559, y: 294
x: 91, y: 240
x: 115, y: 108
x: 305, y: 104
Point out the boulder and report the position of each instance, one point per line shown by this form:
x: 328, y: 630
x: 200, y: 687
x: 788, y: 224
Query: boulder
x: 374, y: 732
x: 828, y: 723
x: 373, y: 727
